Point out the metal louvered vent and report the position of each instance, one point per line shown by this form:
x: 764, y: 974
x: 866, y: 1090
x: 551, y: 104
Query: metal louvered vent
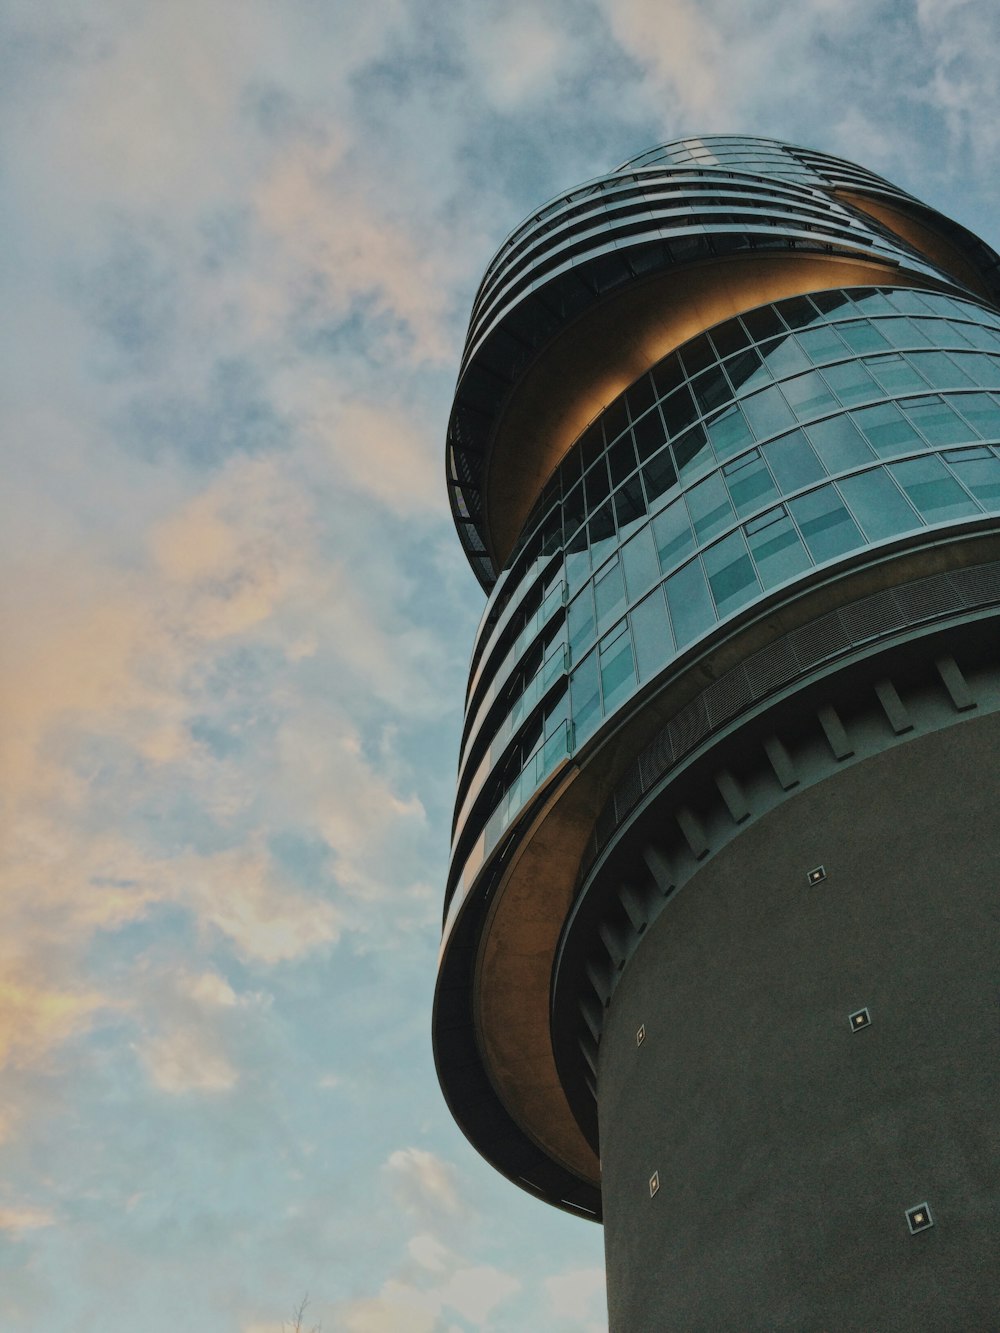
x: 871, y: 618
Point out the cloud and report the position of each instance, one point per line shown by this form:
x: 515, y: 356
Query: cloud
x: 577, y: 1296
x: 19, y: 1218
x: 423, y: 1183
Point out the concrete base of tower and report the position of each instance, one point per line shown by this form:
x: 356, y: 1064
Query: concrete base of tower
x: 786, y: 1140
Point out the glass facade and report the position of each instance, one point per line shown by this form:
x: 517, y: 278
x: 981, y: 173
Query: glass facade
x: 775, y: 442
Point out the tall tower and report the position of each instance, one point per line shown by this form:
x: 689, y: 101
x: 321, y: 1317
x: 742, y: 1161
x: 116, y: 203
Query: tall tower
x: 719, y: 962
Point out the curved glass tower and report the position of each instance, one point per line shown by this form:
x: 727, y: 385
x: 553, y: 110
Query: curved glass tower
x: 719, y: 959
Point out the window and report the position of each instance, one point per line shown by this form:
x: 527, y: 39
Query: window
x: 767, y: 412
x: 609, y: 595
x: 581, y: 623
x: 691, y: 610
x: 888, y: 432
x: 936, y: 420
x: 809, y: 395
x: 654, y: 643
x: 839, y: 443
x: 659, y: 477
x: 617, y: 667
x: 750, y: 483
x: 693, y: 454
x: 878, y: 505
x: 585, y: 694
x: 731, y: 574
x: 640, y: 564
x: 861, y: 336
x: 894, y: 373
x: 851, y: 382
x: 825, y: 523
x: 729, y: 432
x: 793, y: 462
x: 979, y: 471
x: 710, y: 508
x: 630, y: 508
x: 776, y: 547
x: 933, y: 492
x: 672, y: 535
x: 939, y: 370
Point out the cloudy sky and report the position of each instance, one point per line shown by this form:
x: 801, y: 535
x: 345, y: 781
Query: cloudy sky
x: 241, y: 239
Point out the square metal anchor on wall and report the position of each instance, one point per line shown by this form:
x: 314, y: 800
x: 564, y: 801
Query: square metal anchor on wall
x: 654, y: 1183
x: 640, y: 1035
x: 861, y: 1018
x: 817, y: 876
x: 918, y: 1218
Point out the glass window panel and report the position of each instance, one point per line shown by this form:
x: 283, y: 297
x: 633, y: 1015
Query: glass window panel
x: 640, y: 564
x: 762, y: 323
x: 621, y: 459
x: 711, y: 390
x: 861, y: 336
x: 640, y: 397
x: 649, y: 434
x: 710, y: 508
x: 654, y: 644
x: 776, y: 548
x: 747, y: 371
x: 825, y: 523
x: 574, y: 509
x: 630, y: 508
x: 935, y: 493
x: 851, y: 382
x: 821, y: 344
x: 617, y: 668
x: 939, y: 370
x: 767, y: 412
x: 894, y: 373
x: 731, y: 574
x: 839, y: 443
x: 729, y: 432
x: 597, y: 484
x: 980, y: 475
x: 878, y: 504
x: 614, y: 419
x: 693, y: 454
x: 872, y: 303
x: 672, y: 535
x: 601, y: 533
x: 750, y: 484
x: 728, y: 338
x: 785, y: 357
x: 937, y: 421
x: 902, y: 332
x: 591, y: 444
x: 581, y: 626
x: 906, y: 300
x: 981, y: 410
x: 690, y: 603
x: 798, y: 311
x: 979, y: 337
x: 585, y: 696
x: 979, y: 368
x: 793, y: 461
x: 808, y: 395
x: 659, y: 476
x: 679, y: 411
x: 668, y: 376
x: 887, y: 430
x: 609, y: 595
x: 697, y: 355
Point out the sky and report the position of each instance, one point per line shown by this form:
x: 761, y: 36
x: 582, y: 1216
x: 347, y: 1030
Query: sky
x: 241, y: 242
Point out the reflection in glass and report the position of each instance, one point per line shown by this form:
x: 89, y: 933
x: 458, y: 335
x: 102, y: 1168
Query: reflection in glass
x: 935, y: 493
x: 878, y: 504
x: 825, y: 523
x: 731, y: 574
x: 654, y: 643
x: 691, y: 609
x: 776, y: 547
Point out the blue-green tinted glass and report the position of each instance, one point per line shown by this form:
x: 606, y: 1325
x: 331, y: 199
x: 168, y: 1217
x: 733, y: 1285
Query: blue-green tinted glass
x: 731, y: 574
x: 937, y: 421
x: 982, y: 411
x: 906, y: 300
x: 887, y: 430
x: 851, y: 382
x: 581, y: 625
x: 693, y: 454
x: 617, y: 668
x: 747, y: 371
x: 640, y: 564
x: 979, y: 368
x: 979, y: 337
x: 839, y: 443
x: 872, y: 303
x: 808, y: 395
x: 767, y: 412
x: 710, y: 508
x: 630, y: 508
x: 785, y: 357
x: 894, y: 373
x: 577, y: 562
x: 659, y: 476
x: 710, y: 389
x: 621, y: 459
x: 902, y: 332
x: 821, y: 344
x: 980, y: 474
x: 776, y: 548
x: 861, y: 336
x: 935, y: 493
x: 792, y: 461
x: 654, y: 644
x: 750, y: 484
x: 729, y: 432
x: 878, y: 505
x: 601, y: 532
x: 585, y: 693
x: 609, y: 594
x: 690, y: 603
x: 679, y: 411
x: 825, y: 524
x: 672, y: 535
x: 939, y: 370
